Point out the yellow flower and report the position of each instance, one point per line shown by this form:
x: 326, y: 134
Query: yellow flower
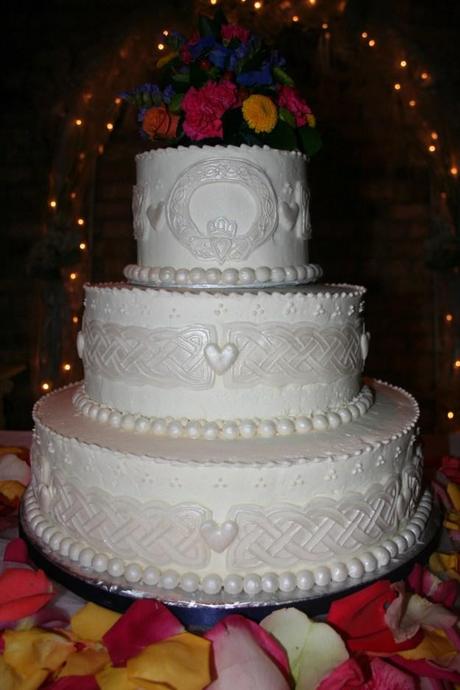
x: 260, y: 113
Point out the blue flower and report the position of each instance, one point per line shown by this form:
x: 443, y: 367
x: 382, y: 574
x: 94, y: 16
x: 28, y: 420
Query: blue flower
x: 202, y: 45
x: 168, y: 93
x: 219, y: 55
x: 261, y: 77
x: 238, y: 54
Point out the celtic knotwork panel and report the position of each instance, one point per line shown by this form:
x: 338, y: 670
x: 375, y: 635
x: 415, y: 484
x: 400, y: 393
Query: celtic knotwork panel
x: 285, y: 535
x: 280, y: 354
x: 220, y: 239
x: 153, y: 532
x: 140, y: 202
x: 166, y: 357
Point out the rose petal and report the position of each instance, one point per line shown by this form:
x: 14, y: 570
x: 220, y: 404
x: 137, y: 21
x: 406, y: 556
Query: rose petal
x: 30, y: 651
x: 145, y: 622
x: 260, y: 633
x: 346, y: 676
x: 74, y: 683
x: 240, y: 662
x: 435, y: 646
x: 92, y: 622
x: 421, y: 667
x: 360, y: 618
x: 86, y: 662
x: 314, y: 649
x: 11, y: 493
x: 22, y: 593
x: 16, y: 551
x: 181, y: 662
x: 13, y: 468
x: 115, y: 679
x: 386, y: 677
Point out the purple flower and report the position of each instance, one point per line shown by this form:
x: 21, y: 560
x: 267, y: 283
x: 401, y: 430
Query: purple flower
x: 168, y: 93
x: 261, y: 77
x: 201, y: 46
x: 219, y: 56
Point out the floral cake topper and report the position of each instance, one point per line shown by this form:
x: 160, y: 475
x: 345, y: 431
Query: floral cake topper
x: 223, y: 85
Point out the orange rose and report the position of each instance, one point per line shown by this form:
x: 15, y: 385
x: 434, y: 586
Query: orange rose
x: 159, y: 123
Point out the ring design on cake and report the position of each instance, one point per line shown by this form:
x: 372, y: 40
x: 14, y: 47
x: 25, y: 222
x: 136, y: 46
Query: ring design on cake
x: 219, y: 537
x: 221, y: 359
x: 221, y: 239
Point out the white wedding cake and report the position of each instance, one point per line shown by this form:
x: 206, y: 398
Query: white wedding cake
x: 223, y: 440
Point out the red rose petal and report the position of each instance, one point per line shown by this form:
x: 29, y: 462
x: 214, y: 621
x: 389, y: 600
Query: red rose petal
x: 145, y: 622
x: 16, y: 551
x: 74, y: 683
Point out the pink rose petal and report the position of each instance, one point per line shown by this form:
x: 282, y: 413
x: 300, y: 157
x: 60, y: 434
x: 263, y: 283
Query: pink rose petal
x: 240, y: 662
x: 421, y: 668
x: 387, y: 677
x: 346, y: 676
x: 145, y: 622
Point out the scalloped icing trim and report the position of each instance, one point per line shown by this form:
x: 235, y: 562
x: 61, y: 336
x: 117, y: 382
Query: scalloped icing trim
x: 228, y: 278
x: 234, y: 583
x: 224, y: 429
x: 171, y: 151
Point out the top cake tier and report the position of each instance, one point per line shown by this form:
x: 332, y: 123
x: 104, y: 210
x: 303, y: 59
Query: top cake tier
x: 221, y: 216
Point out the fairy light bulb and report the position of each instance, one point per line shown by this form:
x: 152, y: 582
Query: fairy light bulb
x: 66, y: 366
x: 397, y: 86
x: 213, y: 2
x: 454, y: 171
x: 82, y: 246
x: 295, y: 18
x: 312, y: 2
x: 45, y: 386
x: 82, y: 155
x: 117, y: 100
x: 161, y: 46
x: 364, y: 34
x: 324, y: 26
x: 450, y: 415
x: 257, y: 5
x: 449, y: 318
x: 74, y: 319
x: 424, y: 76
x: 109, y: 126
x: 100, y: 149
x: 403, y: 63
x: 434, y: 136
x: 73, y: 195
x: 371, y: 43
x: 457, y: 364
x: 78, y: 122
x: 80, y: 221
x: 431, y: 148
x: 412, y: 103
x: 53, y: 203
x: 73, y: 276
x: 166, y: 32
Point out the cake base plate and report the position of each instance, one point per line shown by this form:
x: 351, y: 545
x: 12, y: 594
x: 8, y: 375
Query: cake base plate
x: 199, y: 611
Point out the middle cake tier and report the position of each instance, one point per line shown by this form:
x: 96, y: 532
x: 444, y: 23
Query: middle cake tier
x: 216, y: 356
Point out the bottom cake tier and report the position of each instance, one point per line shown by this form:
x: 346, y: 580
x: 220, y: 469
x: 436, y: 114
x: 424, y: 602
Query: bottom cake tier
x: 227, y: 516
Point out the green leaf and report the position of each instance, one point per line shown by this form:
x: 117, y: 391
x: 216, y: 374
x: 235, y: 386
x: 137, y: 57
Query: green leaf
x: 198, y: 76
x: 281, y: 137
x: 287, y: 116
x: 310, y: 140
x: 282, y: 76
x: 176, y: 102
x: 181, y: 78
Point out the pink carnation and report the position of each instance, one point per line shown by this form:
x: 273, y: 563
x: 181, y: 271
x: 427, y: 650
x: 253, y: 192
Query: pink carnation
x: 204, y: 108
x: 229, y: 31
x: 290, y: 99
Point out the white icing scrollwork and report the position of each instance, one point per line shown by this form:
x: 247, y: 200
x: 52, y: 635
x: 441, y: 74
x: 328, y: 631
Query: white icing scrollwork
x: 141, y: 197
x: 220, y: 238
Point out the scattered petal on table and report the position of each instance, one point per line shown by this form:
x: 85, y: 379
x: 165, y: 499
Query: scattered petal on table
x: 360, y: 619
x: 435, y: 646
x: 34, y: 650
x: 74, y: 683
x: 346, y: 676
x: 145, y: 622
x: 314, y: 649
x: 13, y: 468
x: 447, y: 563
x: 16, y: 551
x: 181, y: 662
x: 423, y: 582
x: 387, y: 677
x: 22, y: 592
x: 91, y: 622
x: 422, y: 668
x: 240, y: 663
x: 115, y: 679
x: 86, y: 662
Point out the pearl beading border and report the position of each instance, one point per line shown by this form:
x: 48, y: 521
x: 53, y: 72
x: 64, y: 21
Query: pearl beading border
x: 251, y: 584
x: 263, y: 276
x: 223, y: 429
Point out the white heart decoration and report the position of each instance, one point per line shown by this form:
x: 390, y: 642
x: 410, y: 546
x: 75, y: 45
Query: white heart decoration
x: 288, y: 215
x: 219, y: 537
x: 80, y: 344
x: 220, y: 360
x: 155, y: 214
x: 365, y: 337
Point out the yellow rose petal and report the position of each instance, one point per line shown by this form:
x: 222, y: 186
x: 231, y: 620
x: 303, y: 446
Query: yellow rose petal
x: 453, y: 491
x: 9, y: 679
x: 181, y: 662
x: 29, y: 651
x: 447, y: 563
x: 115, y: 679
x: 88, y: 662
x: 12, y: 490
x: 435, y: 645
x: 91, y: 622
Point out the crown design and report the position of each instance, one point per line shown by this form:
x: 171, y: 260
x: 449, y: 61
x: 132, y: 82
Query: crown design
x: 222, y: 228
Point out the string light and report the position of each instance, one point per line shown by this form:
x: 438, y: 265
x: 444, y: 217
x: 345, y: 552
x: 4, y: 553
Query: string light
x: 457, y: 364
x: 213, y: 2
x: 434, y: 136
x: 257, y: 5
x: 450, y: 415
x: 364, y: 34
x: 45, y: 386
x: 73, y: 276
x: 371, y: 43
x: 74, y: 319
x: 454, y: 171
x: 80, y: 221
x: 82, y: 155
x: 324, y: 26
x: 53, y: 203
x: 161, y: 46
x: 66, y: 366
x: 100, y: 149
x: 117, y: 100
x: 412, y: 103
x: 449, y: 318
x: 397, y: 87
x: 295, y: 18
x: 312, y: 2
x: 403, y: 63
x: 166, y: 32
x: 82, y: 246
x: 109, y: 126
x: 424, y: 76
x: 79, y: 122
x: 431, y: 148
x: 73, y: 195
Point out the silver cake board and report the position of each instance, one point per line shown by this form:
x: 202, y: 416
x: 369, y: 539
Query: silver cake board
x: 199, y: 611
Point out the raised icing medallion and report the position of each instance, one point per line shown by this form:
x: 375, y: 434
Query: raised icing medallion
x: 220, y: 360
x: 214, y: 233
x: 219, y: 537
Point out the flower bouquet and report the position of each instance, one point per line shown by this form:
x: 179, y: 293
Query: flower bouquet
x: 224, y: 86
